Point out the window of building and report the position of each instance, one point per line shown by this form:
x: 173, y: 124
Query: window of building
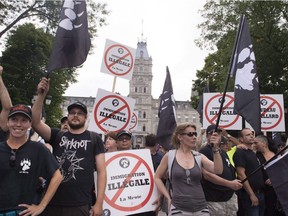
x: 144, y: 114
x: 136, y: 89
x: 144, y: 128
x: 186, y: 119
x: 140, y: 114
x: 144, y: 89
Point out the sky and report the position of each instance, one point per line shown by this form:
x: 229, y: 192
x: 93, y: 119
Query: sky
x: 170, y: 28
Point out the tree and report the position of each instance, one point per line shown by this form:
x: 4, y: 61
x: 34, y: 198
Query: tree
x: 268, y: 29
x: 24, y: 61
x: 46, y: 13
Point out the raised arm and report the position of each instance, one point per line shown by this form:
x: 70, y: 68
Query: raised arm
x: 101, y: 184
x: 5, y: 102
x: 216, y: 166
x: 39, y: 126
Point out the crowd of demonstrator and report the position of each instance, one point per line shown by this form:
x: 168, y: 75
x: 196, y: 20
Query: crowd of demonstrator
x: 192, y: 179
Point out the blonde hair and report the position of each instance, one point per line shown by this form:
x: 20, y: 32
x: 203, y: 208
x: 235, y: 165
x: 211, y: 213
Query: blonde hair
x: 179, y: 130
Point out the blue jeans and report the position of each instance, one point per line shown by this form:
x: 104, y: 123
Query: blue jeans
x: 10, y: 213
x: 246, y: 204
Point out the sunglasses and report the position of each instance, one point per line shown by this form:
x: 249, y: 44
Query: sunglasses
x: 12, y: 160
x: 124, y: 138
x: 188, y: 179
x: 190, y: 134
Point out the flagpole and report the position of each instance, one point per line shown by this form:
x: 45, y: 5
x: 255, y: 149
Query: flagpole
x: 231, y: 70
x: 264, y: 164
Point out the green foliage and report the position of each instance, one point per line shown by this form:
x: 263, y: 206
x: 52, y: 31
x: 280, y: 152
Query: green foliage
x: 268, y: 29
x: 24, y: 61
x: 45, y: 13
x: 28, y: 48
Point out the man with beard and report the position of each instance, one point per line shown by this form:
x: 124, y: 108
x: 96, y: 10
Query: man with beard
x: 77, y: 150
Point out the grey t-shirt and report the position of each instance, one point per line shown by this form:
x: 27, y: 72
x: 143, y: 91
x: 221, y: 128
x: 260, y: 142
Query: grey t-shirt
x: 187, y: 197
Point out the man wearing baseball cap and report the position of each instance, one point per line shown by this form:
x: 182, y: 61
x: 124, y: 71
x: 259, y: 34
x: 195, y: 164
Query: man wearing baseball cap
x: 77, y: 150
x: 22, y: 163
x: 64, y: 123
x: 124, y: 140
x: 220, y: 189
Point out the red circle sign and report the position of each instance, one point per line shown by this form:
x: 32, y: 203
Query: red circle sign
x: 134, y: 121
x: 271, y: 106
x: 103, y: 114
x: 226, y: 104
x: 118, y: 60
x: 120, y: 189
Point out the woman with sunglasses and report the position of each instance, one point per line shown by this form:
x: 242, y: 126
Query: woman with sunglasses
x: 187, y: 196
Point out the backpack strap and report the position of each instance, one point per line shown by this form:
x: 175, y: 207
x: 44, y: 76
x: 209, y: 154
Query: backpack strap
x: 198, y: 157
x: 171, y: 156
x: 93, y: 136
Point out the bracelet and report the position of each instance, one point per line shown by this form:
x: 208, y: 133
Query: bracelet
x: 216, y: 151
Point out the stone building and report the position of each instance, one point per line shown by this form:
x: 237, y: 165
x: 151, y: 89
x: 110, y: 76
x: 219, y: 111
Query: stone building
x: 140, y: 89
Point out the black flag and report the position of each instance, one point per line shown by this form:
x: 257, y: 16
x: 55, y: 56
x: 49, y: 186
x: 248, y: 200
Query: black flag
x: 200, y: 104
x: 246, y: 89
x: 166, y: 114
x: 72, y: 40
x: 277, y: 172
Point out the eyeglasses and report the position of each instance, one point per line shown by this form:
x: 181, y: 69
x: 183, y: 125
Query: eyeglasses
x: 188, y: 179
x: 124, y: 138
x: 213, y: 131
x: 190, y: 134
x: 12, y: 159
x: 77, y: 113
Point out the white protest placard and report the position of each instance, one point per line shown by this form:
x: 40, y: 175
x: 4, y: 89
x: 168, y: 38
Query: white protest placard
x: 118, y: 60
x: 228, y: 120
x: 111, y: 112
x: 134, y: 122
x: 272, y: 112
x: 130, y: 185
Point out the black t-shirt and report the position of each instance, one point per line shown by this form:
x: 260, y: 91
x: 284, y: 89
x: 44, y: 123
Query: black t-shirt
x: 213, y: 192
x: 19, y: 183
x: 248, y: 160
x: 3, y: 135
x: 156, y: 159
x: 76, y: 155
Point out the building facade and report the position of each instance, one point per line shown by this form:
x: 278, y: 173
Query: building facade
x: 140, y: 89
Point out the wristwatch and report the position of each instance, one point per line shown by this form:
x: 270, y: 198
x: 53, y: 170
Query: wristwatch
x: 228, y: 136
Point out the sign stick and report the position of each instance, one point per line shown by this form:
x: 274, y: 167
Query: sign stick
x: 114, y: 84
